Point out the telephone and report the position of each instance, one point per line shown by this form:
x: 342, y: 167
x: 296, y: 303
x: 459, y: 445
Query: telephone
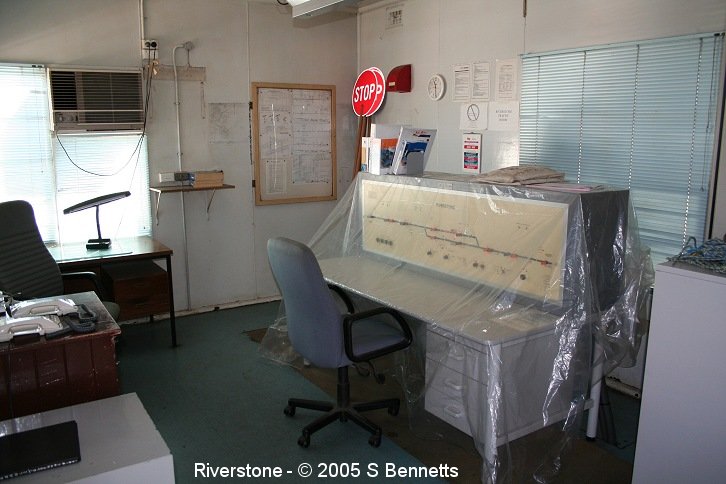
x: 58, y: 307
x: 46, y: 317
x: 42, y: 325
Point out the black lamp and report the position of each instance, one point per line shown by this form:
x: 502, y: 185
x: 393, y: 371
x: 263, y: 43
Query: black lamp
x: 99, y: 243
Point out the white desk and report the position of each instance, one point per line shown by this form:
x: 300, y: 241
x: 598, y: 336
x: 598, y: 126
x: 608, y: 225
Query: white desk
x: 469, y: 357
x: 119, y: 443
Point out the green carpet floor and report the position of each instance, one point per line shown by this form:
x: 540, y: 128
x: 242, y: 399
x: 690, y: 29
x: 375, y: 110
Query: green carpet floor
x: 215, y: 401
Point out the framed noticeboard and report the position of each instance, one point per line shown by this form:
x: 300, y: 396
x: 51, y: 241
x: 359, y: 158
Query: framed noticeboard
x: 293, y: 137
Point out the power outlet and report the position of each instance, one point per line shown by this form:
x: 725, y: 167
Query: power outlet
x: 149, y: 48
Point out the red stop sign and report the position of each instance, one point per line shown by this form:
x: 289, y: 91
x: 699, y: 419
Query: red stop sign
x: 368, y: 92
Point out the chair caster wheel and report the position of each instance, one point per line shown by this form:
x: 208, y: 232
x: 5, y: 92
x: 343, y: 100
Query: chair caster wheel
x: 304, y: 441
x: 393, y: 409
x: 375, y: 440
x: 289, y: 411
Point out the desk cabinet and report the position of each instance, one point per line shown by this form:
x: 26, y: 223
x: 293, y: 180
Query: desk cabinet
x: 140, y: 288
x: 38, y: 374
x: 682, y: 429
x: 464, y: 379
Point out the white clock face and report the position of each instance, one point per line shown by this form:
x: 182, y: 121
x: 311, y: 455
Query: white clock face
x: 436, y: 87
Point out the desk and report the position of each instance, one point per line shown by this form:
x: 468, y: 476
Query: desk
x: 75, y: 257
x: 118, y: 440
x: 38, y: 374
x: 467, y: 362
x: 510, y: 284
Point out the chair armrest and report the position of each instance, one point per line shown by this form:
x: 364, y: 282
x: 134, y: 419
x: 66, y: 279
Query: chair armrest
x: 90, y: 276
x: 351, y: 319
x: 343, y: 296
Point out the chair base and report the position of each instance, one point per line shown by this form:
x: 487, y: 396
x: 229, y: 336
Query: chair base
x: 342, y: 410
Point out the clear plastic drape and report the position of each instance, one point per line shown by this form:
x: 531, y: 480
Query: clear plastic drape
x: 516, y: 295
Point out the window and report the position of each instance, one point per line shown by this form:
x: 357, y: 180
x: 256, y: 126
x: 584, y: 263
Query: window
x: 637, y: 115
x: 54, y: 172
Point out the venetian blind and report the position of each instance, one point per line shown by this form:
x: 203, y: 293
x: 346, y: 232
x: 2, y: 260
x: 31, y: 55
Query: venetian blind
x: 638, y: 115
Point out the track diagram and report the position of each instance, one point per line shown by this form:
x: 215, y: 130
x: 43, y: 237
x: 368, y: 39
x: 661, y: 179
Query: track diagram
x: 509, y: 243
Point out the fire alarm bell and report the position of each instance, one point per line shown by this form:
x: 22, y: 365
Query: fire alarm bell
x: 399, y: 79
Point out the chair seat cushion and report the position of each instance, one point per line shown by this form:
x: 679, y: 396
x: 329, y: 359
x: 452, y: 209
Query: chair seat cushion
x: 374, y: 334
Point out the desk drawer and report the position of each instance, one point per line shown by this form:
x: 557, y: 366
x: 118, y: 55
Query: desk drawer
x: 139, y: 288
x: 457, y: 356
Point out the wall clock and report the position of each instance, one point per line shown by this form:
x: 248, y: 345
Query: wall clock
x: 436, y: 87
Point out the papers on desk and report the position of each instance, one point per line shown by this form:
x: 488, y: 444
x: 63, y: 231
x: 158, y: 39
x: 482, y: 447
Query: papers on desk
x: 569, y: 187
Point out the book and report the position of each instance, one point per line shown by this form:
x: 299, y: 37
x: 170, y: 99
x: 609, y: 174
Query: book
x: 412, y: 151
x: 39, y: 449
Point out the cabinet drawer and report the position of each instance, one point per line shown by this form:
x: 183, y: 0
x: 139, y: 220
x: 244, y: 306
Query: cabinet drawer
x: 450, y: 410
x: 457, y: 356
x: 140, y: 288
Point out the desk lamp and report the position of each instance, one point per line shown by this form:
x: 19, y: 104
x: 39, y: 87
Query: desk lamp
x: 99, y: 243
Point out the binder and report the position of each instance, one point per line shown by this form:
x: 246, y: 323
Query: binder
x: 39, y: 449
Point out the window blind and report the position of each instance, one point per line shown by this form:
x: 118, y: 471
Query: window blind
x: 56, y: 172
x: 26, y: 164
x: 638, y: 115
x: 89, y: 165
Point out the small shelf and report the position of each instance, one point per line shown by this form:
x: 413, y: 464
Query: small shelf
x: 159, y: 190
x: 182, y: 188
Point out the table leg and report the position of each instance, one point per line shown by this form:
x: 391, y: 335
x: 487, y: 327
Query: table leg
x: 494, y: 393
x: 172, y: 318
x: 595, y: 383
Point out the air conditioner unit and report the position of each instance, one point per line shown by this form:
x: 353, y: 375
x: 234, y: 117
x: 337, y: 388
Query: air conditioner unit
x: 96, y: 100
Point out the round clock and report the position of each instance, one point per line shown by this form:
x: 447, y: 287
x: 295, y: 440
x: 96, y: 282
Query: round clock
x: 436, y: 87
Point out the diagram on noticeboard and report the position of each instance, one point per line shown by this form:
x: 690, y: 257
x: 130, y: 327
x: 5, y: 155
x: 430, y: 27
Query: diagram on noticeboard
x: 516, y: 244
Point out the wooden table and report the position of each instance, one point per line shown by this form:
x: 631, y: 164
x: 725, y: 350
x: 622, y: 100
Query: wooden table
x: 38, y: 374
x: 76, y: 257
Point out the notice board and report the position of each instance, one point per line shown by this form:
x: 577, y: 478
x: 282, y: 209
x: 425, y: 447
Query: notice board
x: 293, y: 137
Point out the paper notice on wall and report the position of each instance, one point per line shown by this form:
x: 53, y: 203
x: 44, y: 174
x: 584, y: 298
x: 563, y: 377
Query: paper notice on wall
x: 503, y: 116
x: 276, y: 176
x: 480, y: 79
x: 506, y: 80
x: 473, y: 116
x: 471, y: 152
x: 462, y: 83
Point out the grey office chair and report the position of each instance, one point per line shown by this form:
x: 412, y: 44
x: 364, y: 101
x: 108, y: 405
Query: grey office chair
x: 27, y: 269
x: 328, y: 338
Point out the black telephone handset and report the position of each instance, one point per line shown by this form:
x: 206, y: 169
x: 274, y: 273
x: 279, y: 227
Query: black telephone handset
x: 81, y: 321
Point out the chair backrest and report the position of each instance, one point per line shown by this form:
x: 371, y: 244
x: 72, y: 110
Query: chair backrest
x: 26, y: 266
x: 314, y: 320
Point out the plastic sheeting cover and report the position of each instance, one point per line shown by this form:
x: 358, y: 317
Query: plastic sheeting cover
x: 509, y: 289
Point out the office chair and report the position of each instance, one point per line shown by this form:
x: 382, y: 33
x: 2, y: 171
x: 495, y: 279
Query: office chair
x: 329, y: 338
x: 27, y: 269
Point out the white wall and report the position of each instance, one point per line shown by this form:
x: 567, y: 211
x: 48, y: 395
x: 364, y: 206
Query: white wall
x: 437, y: 34
x: 241, y: 41
x: 237, y: 42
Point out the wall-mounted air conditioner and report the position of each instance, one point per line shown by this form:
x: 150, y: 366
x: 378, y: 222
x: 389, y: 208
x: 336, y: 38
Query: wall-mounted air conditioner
x: 96, y: 100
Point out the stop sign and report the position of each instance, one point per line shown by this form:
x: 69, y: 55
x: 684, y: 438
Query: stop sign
x: 368, y: 92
